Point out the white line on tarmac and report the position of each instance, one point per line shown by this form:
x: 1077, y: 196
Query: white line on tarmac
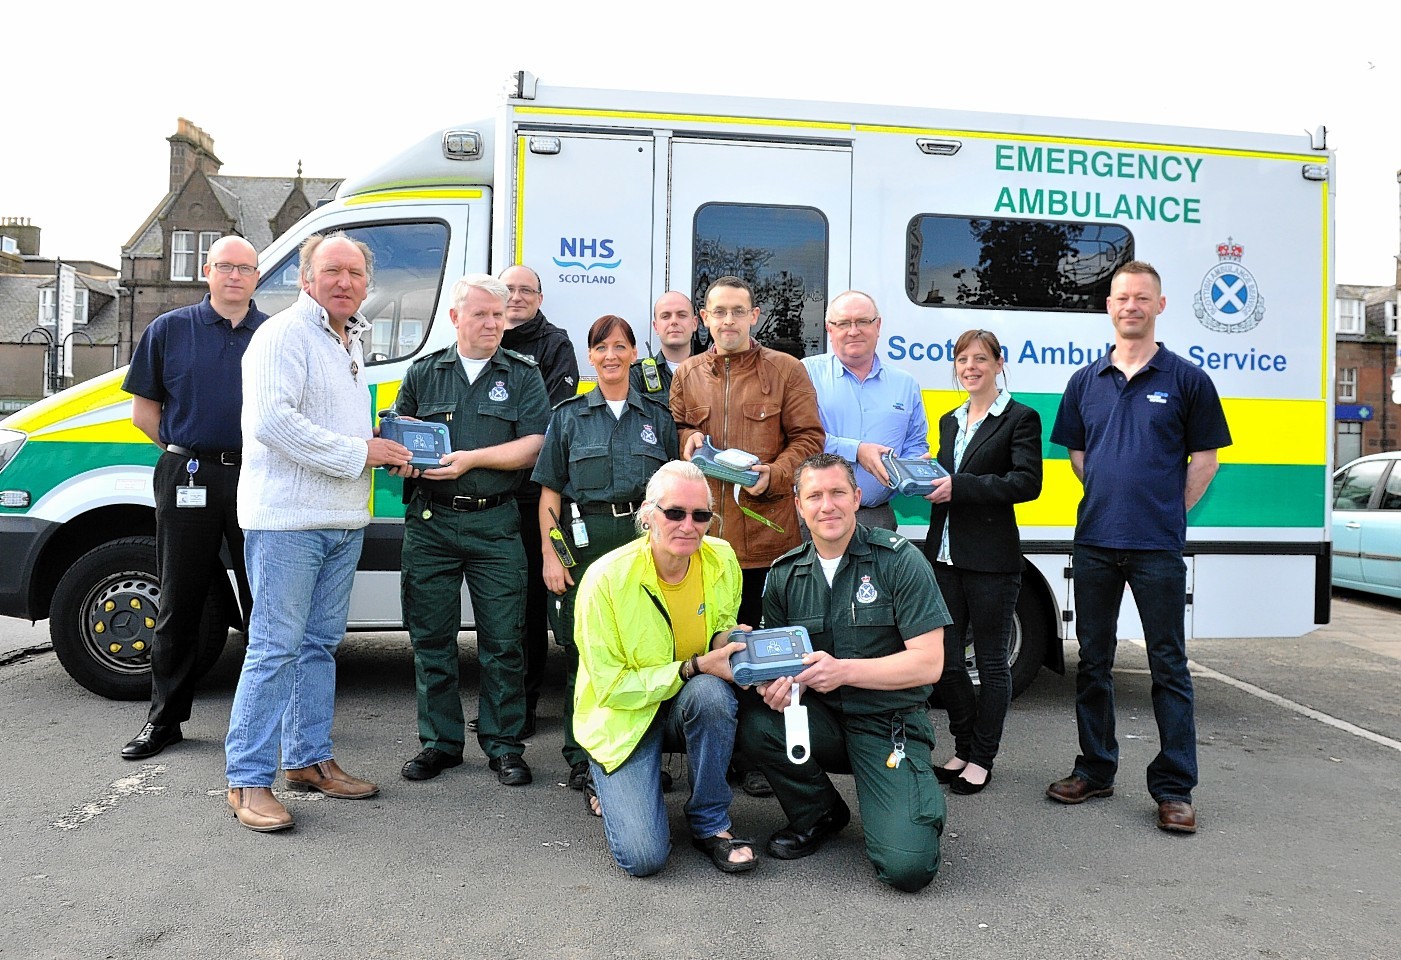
x: 137, y: 783
x: 1200, y: 671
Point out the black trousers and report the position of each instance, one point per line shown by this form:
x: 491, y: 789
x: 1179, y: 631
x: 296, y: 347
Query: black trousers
x: 188, y: 540
x: 537, y: 599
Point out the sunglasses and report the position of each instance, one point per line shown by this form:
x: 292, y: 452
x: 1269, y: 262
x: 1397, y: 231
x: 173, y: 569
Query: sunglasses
x: 676, y: 515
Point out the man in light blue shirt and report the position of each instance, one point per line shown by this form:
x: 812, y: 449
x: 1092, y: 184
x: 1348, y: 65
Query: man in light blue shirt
x: 868, y: 409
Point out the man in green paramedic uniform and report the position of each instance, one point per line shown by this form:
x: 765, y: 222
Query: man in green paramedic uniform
x: 462, y: 521
x: 870, y: 604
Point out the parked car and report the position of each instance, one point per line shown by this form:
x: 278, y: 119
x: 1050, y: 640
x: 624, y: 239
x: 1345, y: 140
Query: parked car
x: 1367, y: 524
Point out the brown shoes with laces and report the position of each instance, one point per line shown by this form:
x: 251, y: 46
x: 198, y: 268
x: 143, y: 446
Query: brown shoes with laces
x: 257, y: 809
x: 327, y: 777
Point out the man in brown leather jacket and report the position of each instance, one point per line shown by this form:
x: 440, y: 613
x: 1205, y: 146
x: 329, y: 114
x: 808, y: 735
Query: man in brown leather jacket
x: 758, y: 400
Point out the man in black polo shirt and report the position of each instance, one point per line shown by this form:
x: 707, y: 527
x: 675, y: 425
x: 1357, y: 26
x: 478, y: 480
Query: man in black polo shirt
x: 1142, y: 427
x: 186, y: 380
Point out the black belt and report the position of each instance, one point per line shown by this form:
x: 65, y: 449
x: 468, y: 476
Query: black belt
x: 228, y: 458
x: 616, y: 509
x: 469, y: 504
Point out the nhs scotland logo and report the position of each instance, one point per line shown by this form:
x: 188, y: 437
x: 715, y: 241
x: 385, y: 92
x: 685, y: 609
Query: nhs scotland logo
x: 580, y: 256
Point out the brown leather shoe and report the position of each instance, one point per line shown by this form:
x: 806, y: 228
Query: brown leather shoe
x: 257, y: 809
x: 328, y: 778
x: 1177, y: 816
x: 1076, y: 789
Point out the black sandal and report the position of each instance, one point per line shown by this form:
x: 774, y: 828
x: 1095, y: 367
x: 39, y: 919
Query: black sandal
x: 591, y: 797
x: 720, y: 849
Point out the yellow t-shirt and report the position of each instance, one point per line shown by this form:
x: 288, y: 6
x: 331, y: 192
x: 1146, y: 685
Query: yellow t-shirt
x: 685, y: 605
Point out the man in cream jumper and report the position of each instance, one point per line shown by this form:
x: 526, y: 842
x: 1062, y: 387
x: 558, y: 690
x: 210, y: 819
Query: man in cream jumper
x: 308, y: 448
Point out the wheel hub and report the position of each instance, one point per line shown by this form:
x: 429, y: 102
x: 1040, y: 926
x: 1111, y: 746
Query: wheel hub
x: 122, y: 619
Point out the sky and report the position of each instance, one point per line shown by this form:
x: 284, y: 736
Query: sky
x: 92, y: 92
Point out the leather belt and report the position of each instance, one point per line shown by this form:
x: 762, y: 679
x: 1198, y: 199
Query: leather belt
x: 227, y: 458
x: 468, y: 504
x: 616, y: 509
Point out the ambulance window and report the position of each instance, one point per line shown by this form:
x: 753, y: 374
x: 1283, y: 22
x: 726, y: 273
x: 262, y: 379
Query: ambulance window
x: 779, y: 251
x: 1012, y: 264
x: 409, y: 267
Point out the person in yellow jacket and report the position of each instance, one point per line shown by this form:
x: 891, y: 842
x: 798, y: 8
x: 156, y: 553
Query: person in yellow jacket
x: 651, y: 623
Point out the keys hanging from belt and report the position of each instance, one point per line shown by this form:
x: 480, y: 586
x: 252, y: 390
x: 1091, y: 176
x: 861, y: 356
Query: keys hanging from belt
x: 897, y: 741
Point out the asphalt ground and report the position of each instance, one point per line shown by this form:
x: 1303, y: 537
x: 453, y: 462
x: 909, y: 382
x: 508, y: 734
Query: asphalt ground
x: 1299, y: 852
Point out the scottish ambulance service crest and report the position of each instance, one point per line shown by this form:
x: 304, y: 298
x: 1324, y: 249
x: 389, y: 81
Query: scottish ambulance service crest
x: 1229, y: 300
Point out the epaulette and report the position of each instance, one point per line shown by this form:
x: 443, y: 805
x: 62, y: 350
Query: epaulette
x: 519, y: 356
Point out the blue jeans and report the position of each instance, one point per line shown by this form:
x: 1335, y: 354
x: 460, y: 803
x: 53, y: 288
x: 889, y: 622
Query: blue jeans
x: 1158, y: 579
x: 301, y: 583
x: 982, y: 605
x: 699, y: 720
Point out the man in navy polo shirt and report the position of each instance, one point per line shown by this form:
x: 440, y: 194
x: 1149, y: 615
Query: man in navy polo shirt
x: 1142, y: 426
x: 186, y: 381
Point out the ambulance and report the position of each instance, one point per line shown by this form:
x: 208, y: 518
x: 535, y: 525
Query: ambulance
x: 950, y: 220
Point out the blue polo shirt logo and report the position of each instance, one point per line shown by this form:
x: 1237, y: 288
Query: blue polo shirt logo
x: 1158, y: 396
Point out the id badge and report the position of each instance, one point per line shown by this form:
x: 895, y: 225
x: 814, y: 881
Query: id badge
x: 190, y: 496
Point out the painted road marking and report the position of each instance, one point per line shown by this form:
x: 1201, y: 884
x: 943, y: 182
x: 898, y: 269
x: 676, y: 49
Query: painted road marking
x: 136, y: 784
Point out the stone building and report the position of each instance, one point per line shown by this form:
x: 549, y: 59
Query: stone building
x: 161, y: 263
x: 1364, y: 355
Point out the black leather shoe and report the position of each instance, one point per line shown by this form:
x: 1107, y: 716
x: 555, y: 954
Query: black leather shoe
x: 511, y: 770
x: 578, y: 775
x: 428, y: 764
x: 152, y: 739
x: 791, y: 844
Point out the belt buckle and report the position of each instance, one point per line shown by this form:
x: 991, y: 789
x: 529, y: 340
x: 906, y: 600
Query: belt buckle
x: 467, y: 503
x: 224, y: 459
x: 626, y: 513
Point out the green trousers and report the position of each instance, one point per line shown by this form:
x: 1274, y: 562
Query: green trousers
x: 484, y: 547
x: 902, y: 808
x: 606, y: 533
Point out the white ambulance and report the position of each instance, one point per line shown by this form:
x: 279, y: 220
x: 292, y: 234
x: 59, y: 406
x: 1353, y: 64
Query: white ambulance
x: 950, y: 220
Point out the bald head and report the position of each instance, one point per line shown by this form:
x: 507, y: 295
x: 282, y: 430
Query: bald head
x: 231, y: 270
x: 675, y: 322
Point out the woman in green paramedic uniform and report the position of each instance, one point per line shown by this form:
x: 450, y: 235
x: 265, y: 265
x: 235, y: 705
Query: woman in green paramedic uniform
x: 600, y: 450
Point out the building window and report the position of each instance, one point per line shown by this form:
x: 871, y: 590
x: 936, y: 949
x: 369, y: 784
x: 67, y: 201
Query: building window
x: 1352, y: 316
x: 206, y: 240
x: 182, y: 255
x: 1391, y: 318
x: 1347, y: 385
x: 46, y: 305
x: 1010, y: 264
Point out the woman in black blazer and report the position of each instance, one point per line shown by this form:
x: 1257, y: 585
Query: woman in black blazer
x: 991, y: 447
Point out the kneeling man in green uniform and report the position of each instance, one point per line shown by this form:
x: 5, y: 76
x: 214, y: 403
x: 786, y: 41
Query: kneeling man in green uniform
x: 875, y: 615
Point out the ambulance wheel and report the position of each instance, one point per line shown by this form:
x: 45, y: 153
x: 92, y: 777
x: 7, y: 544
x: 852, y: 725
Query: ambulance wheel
x: 103, y: 618
x: 1031, y: 631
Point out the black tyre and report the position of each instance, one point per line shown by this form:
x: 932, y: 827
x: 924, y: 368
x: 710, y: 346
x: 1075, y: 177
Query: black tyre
x: 1031, y: 631
x: 103, y: 617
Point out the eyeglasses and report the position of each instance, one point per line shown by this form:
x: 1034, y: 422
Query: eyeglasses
x: 522, y: 291
x: 739, y: 313
x: 860, y: 323
x: 676, y: 515
x: 244, y: 269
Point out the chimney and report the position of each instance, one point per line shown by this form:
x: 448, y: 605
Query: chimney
x: 24, y: 234
x: 191, y: 149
